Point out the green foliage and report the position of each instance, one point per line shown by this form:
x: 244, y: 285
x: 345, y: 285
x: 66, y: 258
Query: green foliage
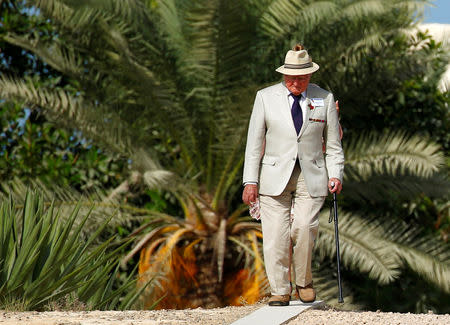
x: 169, y: 84
x: 380, y: 248
x: 31, y: 148
x: 14, y: 59
x: 423, y: 207
x: 384, y: 74
x: 420, y: 106
x: 393, y: 166
x: 391, y: 297
x: 402, y: 88
x: 42, y: 259
x: 384, y: 247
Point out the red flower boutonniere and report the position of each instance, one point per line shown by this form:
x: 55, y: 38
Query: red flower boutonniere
x: 311, y: 106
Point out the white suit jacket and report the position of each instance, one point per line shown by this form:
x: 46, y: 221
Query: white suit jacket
x: 271, y: 120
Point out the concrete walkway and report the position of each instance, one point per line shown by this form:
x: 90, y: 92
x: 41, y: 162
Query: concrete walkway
x: 268, y: 315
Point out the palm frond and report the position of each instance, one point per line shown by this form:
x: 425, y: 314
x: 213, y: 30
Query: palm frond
x: 215, y: 54
x: 82, y: 14
x: 115, y: 38
x: 156, y: 231
x: 54, y: 8
x: 230, y: 169
x: 325, y: 282
x: 392, y: 152
x: 153, y: 174
x: 127, y: 9
x: 381, y: 248
x: 392, y: 186
x: 69, y: 111
x: 96, y: 203
x: 248, y: 247
x: 220, y: 243
x: 366, y: 8
x: 424, y: 254
x: 244, y: 226
x: 363, y: 22
x: 61, y: 59
x: 282, y: 16
x: 372, y: 38
x: 179, y: 76
x: 173, y: 28
x: 416, y: 6
x: 201, y: 56
x: 362, y: 247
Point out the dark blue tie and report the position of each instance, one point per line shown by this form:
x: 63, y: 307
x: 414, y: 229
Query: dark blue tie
x: 296, y: 111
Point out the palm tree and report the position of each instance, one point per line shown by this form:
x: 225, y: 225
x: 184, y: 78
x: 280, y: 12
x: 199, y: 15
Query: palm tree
x: 189, y: 101
x: 385, y: 168
x: 169, y: 84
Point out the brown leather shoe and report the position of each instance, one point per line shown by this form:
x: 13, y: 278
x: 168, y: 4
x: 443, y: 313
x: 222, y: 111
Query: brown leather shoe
x: 282, y: 300
x: 307, y: 293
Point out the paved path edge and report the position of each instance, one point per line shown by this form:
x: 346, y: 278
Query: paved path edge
x: 269, y: 315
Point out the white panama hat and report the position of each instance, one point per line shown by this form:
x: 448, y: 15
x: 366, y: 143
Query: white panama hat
x: 297, y: 63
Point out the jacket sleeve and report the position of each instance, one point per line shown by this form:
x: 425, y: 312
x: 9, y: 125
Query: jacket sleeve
x: 334, y: 155
x: 255, y: 140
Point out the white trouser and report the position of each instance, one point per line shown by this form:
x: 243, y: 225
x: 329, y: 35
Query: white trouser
x: 279, y: 231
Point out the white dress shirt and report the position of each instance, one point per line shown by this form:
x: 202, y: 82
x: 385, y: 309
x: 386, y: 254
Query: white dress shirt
x: 302, y: 102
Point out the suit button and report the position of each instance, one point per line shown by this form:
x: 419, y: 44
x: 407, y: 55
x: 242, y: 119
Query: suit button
x: 298, y: 140
x: 293, y: 158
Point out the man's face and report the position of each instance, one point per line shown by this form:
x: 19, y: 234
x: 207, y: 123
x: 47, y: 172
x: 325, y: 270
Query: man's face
x: 297, y: 84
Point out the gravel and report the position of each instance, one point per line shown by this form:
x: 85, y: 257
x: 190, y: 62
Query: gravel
x: 322, y: 317
x: 215, y: 316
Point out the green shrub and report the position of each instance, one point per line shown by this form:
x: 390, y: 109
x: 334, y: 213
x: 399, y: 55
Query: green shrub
x: 43, y: 259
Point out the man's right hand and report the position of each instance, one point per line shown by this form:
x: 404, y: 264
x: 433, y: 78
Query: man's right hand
x: 250, y: 193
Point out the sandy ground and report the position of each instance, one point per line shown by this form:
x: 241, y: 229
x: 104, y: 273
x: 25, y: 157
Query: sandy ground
x: 323, y: 316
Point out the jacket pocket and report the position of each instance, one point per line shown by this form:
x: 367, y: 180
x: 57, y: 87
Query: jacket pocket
x: 267, y: 160
x: 319, y: 116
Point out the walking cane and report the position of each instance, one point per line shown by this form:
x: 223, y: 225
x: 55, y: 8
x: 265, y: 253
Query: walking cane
x: 336, y: 235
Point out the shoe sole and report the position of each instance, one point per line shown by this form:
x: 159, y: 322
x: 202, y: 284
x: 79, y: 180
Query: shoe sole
x: 279, y: 303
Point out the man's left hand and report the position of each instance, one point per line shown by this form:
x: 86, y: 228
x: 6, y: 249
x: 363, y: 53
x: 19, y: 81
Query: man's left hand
x: 337, y: 185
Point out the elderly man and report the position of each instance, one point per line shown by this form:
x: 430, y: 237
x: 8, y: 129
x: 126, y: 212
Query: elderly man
x: 288, y: 170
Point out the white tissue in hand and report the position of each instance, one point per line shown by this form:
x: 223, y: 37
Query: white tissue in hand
x: 254, y: 210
